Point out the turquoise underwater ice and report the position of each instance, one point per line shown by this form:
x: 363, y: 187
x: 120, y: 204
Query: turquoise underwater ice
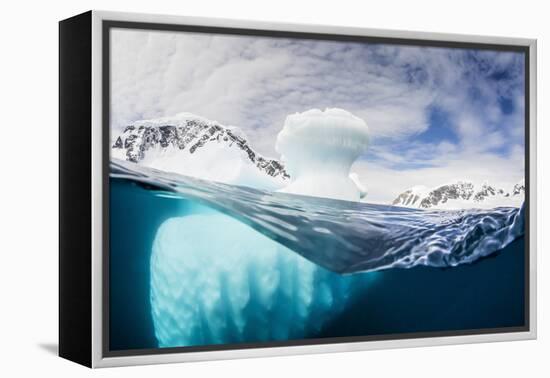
x: 216, y: 280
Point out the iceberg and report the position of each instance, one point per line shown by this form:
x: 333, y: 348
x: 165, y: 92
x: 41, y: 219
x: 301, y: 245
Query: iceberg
x: 217, y: 280
x: 318, y: 149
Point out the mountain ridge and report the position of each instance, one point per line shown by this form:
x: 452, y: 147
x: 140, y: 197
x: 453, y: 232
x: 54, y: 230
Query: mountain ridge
x: 166, y: 138
x: 460, y: 194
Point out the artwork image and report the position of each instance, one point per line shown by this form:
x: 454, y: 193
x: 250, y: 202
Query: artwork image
x: 285, y: 190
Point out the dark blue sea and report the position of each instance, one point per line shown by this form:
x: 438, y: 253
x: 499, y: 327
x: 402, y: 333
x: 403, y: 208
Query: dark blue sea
x: 194, y: 263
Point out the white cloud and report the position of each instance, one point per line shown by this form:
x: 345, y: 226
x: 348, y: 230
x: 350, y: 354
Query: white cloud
x: 255, y: 83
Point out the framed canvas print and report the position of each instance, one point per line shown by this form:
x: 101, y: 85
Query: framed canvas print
x: 236, y: 189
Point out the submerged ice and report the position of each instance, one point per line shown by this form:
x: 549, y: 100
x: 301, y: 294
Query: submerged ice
x: 216, y: 280
x: 318, y: 149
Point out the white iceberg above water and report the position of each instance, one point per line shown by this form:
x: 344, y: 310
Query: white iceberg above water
x: 318, y: 148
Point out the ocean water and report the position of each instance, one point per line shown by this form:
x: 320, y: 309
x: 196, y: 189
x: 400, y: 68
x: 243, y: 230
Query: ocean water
x: 196, y: 263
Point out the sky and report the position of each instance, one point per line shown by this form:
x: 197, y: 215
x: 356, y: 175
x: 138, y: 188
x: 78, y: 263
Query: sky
x: 435, y: 115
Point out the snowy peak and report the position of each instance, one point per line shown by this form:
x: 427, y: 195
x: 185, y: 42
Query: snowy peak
x: 411, y: 197
x: 426, y: 198
x: 152, y: 142
x: 461, y: 194
x: 487, y: 191
x: 519, y: 188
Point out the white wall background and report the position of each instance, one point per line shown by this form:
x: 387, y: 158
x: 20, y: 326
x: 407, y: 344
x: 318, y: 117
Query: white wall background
x: 28, y: 191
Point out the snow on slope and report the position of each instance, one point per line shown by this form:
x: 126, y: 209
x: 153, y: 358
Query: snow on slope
x: 318, y: 149
x: 461, y: 195
x: 195, y: 146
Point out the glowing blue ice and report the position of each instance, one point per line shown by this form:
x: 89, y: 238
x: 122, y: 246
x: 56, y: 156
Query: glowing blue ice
x: 217, y: 280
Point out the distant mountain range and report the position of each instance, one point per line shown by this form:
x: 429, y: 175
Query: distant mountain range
x: 461, y: 194
x: 192, y: 145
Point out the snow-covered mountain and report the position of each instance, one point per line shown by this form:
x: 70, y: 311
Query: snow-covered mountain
x: 460, y: 195
x: 192, y: 145
x: 519, y: 188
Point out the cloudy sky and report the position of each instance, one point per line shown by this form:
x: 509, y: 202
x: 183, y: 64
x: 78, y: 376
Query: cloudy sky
x: 435, y: 114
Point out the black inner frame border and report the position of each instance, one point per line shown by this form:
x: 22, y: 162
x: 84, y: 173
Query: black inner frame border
x: 107, y: 25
